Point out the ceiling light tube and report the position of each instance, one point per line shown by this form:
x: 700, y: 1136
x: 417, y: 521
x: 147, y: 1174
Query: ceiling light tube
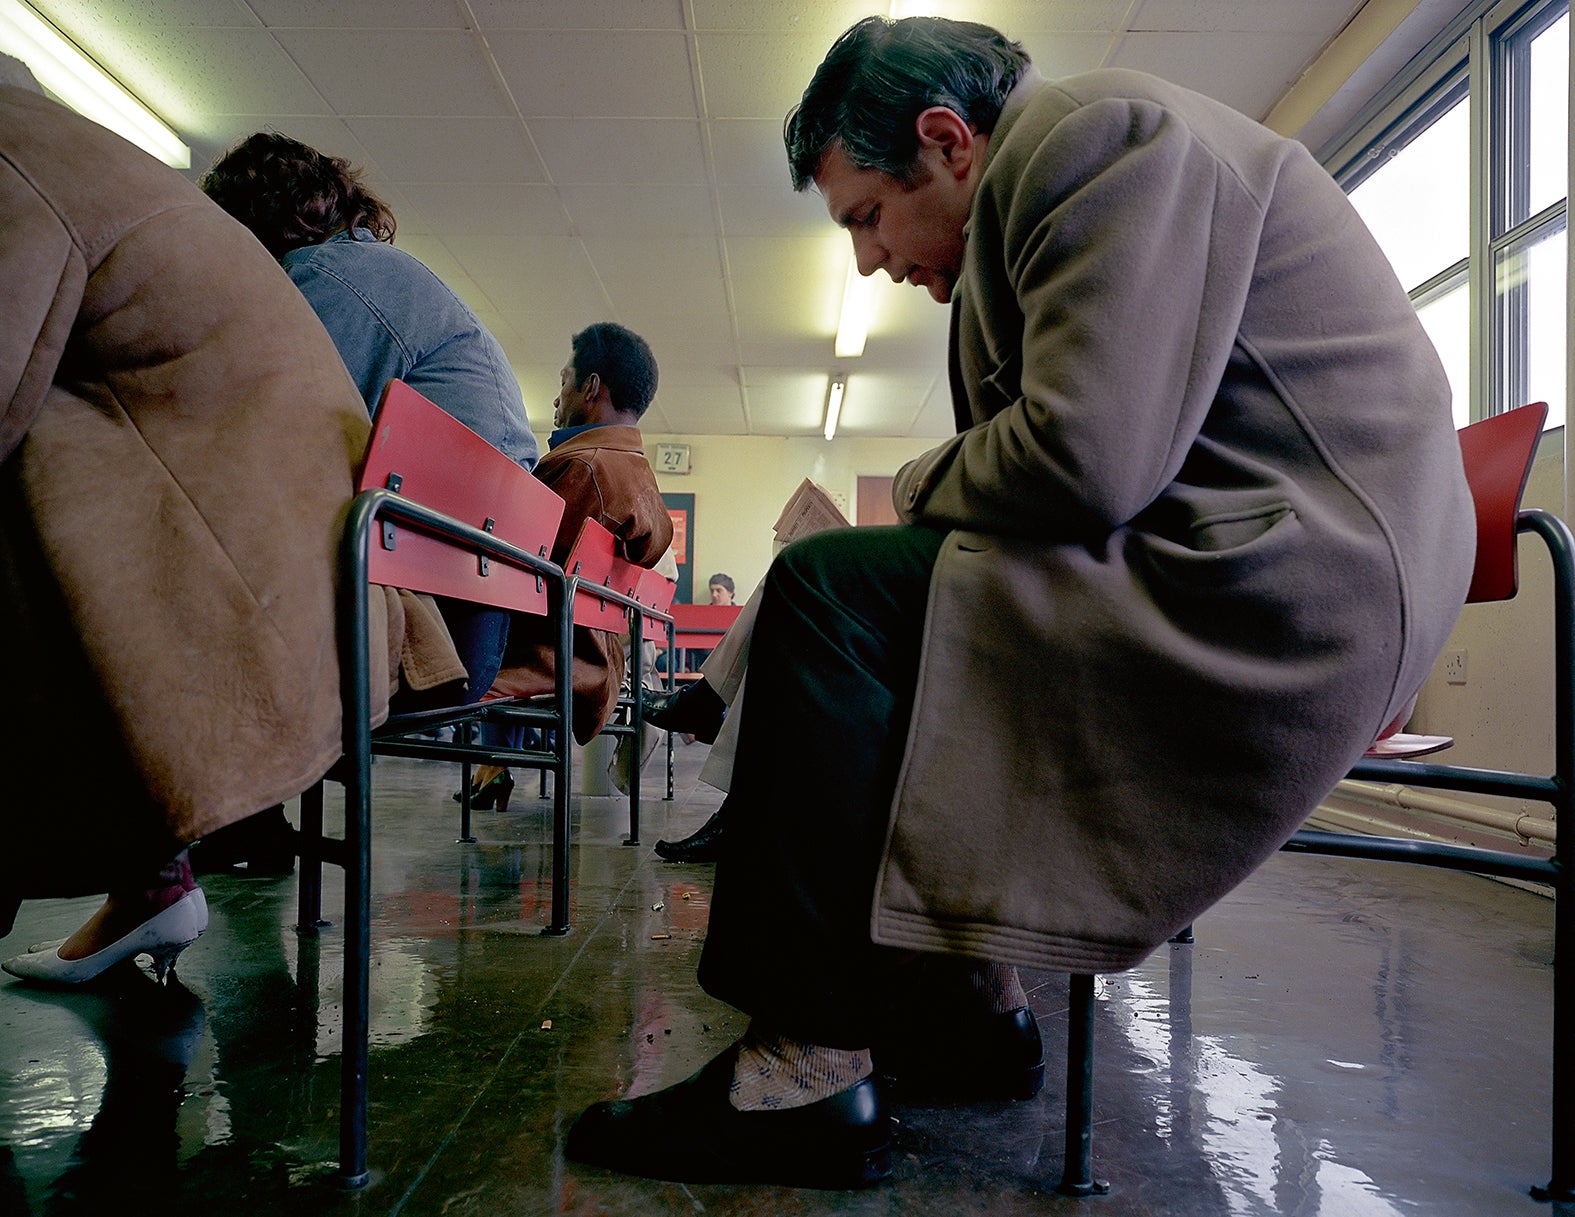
x: 79, y: 82
x: 839, y: 385
x: 858, y: 301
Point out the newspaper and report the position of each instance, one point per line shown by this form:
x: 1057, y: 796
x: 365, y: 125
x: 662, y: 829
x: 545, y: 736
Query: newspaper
x: 808, y: 511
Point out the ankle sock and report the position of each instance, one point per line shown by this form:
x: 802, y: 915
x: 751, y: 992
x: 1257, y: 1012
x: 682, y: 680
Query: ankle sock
x: 999, y: 988
x: 774, y: 1073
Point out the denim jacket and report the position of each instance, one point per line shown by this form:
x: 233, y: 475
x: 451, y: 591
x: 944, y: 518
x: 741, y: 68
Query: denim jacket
x: 391, y: 316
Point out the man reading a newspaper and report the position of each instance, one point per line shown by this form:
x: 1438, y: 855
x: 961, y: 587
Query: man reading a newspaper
x: 1201, y: 534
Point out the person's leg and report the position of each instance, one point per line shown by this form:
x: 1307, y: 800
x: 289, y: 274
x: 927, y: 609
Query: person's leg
x: 833, y: 667
x: 724, y: 667
x: 160, y: 917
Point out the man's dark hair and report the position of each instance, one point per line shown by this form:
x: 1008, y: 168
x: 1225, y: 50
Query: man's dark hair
x: 622, y: 359
x: 882, y: 74
x: 291, y: 195
x: 720, y: 580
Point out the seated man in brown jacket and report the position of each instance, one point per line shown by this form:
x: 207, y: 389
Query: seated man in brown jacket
x: 596, y: 463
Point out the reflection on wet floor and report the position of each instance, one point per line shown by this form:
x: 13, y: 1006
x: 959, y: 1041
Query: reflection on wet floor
x: 1344, y: 1038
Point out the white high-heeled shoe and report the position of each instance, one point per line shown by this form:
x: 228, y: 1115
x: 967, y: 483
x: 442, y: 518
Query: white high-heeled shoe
x: 163, y: 936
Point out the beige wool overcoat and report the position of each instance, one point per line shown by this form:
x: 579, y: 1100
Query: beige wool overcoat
x: 1210, y: 528
x: 179, y: 438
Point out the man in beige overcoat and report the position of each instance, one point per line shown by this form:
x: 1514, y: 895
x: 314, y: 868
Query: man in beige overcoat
x: 1201, y: 534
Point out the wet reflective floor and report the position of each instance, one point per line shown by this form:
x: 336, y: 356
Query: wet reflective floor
x: 1344, y: 1038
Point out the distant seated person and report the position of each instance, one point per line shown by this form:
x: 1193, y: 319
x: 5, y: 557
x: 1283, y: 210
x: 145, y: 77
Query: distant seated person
x: 721, y: 591
x: 178, y: 441
x: 596, y: 463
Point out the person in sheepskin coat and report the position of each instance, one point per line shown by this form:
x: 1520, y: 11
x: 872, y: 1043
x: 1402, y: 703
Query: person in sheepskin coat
x: 1200, y: 536
x: 178, y: 446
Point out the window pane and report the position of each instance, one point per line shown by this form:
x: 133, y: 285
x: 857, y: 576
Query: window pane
x: 1433, y: 165
x: 1531, y: 302
x: 1447, y: 320
x: 1549, y: 119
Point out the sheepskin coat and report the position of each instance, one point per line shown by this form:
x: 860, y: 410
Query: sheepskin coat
x: 179, y: 439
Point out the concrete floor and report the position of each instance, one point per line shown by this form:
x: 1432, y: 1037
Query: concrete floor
x: 1345, y: 1038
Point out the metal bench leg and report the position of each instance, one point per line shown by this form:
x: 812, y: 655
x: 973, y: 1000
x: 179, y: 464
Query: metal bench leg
x: 1077, y: 1173
x: 466, y: 834
x: 309, y: 885
x: 1561, y: 1185
x: 563, y: 757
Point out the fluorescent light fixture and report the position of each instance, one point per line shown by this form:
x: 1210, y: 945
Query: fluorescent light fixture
x: 79, y: 82
x: 858, y: 301
x: 839, y: 386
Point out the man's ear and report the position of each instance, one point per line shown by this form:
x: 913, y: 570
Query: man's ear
x: 592, y: 386
x: 948, y: 132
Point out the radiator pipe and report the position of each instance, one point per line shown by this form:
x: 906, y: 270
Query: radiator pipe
x: 1520, y: 824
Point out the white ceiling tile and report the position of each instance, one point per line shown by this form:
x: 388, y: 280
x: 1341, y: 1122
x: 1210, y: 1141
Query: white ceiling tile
x: 1244, y: 16
x: 434, y: 255
x: 749, y: 152
x: 1262, y: 64
x: 597, y: 74
x: 620, y: 150
x: 820, y: 18
x: 788, y: 287
x: 323, y: 132
x: 415, y: 72
x: 192, y: 77
x: 884, y: 402
x: 484, y: 209
x: 640, y: 275
x: 449, y: 150
x: 756, y: 75
x: 1057, y: 54
x: 934, y: 418
x: 785, y: 401
x: 611, y: 196
x: 676, y: 406
x: 547, y: 280
x: 82, y: 18
x: 660, y: 209
x: 352, y: 14
x: 1012, y: 17
x: 779, y: 212
x: 579, y: 15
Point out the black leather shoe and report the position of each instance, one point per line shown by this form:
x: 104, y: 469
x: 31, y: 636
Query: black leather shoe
x: 978, y: 1057
x: 262, y: 844
x: 694, y: 709
x: 702, y: 845
x: 691, y: 1133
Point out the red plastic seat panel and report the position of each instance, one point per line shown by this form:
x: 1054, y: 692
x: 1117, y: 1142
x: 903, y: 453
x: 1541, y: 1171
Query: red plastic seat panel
x: 1498, y: 452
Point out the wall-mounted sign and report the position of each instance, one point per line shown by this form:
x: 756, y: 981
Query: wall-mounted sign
x: 672, y: 458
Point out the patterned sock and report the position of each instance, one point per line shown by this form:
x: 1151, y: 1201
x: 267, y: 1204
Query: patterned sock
x: 998, y: 986
x: 774, y: 1073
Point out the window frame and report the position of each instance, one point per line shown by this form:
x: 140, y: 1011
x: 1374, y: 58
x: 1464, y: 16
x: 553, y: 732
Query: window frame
x: 1474, y: 55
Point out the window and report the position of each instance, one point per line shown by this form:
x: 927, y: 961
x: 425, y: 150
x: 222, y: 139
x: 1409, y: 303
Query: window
x: 1462, y: 175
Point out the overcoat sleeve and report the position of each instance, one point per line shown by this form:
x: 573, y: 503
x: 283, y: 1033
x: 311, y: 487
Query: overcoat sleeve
x: 1123, y: 248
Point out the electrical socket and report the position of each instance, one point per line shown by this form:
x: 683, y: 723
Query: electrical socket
x: 1455, y: 667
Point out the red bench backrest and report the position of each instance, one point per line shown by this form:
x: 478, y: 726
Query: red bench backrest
x: 1498, y: 453
x: 441, y: 463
